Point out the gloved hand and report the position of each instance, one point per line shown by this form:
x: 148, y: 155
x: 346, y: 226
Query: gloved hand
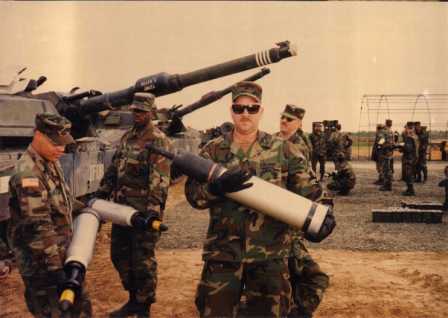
x: 327, y: 227
x: 101, y: 195
x: 232, y: 180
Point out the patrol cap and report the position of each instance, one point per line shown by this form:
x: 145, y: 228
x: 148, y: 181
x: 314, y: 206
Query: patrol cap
x: 293, y: 112
x: 144, y: 102
x: 388, y: 122
x: 56, y: 127
x: 410, y: 124
x: 246, y: 88
x: 317, y: 124
x: 379, y: 126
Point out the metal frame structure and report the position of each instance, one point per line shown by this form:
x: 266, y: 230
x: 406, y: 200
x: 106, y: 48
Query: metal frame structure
x: 430, y: 109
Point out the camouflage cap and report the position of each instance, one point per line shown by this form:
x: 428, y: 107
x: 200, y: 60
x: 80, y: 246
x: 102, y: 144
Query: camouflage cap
x: 410, y: 124
x: 250, y: 89
x: 144, y: 102
x: 293, y: 112
x: 317, y: 124
x: 56, y: 127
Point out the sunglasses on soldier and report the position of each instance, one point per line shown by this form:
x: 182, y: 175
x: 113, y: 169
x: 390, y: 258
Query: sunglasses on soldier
x: 251, y: 108
x: 288, y: 119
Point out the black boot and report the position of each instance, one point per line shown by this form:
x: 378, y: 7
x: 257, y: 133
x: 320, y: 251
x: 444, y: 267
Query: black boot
x: 425, y: 174
x: 409, y: 191
x: 386, y: 187
x: 131, y: 308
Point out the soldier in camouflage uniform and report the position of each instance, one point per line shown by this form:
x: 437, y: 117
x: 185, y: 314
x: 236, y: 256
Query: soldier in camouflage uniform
x: 244, y: 248
x: 40, y: 230
x: 139, y: 179
x: 344, y: 179
x: 318, y: 145
x: 308, y: 282
x: 423, y: 140
x: 386, y: 148
x: 335, y: 145
x: 409, y: 159
x: 376, y: 155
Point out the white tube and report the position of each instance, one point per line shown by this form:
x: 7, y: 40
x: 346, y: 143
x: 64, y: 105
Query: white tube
x: 114, y: 212
x: 281, y: 204
x: 84, y: 236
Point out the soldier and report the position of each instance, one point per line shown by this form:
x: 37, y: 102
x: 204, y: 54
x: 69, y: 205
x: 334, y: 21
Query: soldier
x: 376, y: 155
x: 307, y: 279
x: 409, y: 159
x: 386, y: 147
x: 139, y: 179
x: 291, y: 129
x: 336, y: 144
x: 318, y: 146
x: 423, y: 142
x: 245, y: 248
x: 41, y: 218
x: 344, y: 179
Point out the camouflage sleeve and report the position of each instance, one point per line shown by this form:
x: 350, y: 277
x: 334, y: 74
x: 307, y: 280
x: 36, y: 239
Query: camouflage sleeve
x: 35, y: 221
x: 109, y: 180
x: 197, y: 193
x: 299, y: 180
x: 159, y: 177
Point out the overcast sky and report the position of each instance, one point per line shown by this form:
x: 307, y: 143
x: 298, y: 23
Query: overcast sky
x: 346, y: 49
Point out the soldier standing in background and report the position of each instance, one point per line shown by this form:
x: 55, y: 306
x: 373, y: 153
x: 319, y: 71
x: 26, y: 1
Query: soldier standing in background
x: 41, y: 218
x: 409, y: 159
x: 139, y: 179
x: 423, y: 142
x: 348, y: 142
x: 308, y: 281
x: 386, y: 148
x: 291, y: 129
x: 244, y: 248
x: 335, y: 145
x: 318, y: 145
x: 376, y: 154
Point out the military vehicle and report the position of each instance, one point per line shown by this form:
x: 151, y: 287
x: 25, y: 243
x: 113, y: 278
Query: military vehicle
x: 84, y: 166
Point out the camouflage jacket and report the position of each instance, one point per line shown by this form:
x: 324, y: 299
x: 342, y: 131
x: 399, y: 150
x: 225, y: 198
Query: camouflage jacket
x: 410, y: 148
x: 346, y: 175
x: 335, y: 144
x: 41, y: 214
x: 237, y: 233
x: 386, y: 148
x: 319, y: 145
x: 300, y: 139
x: 137, y: 177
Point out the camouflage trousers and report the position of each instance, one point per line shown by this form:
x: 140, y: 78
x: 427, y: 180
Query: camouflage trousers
x: 387, y: 170
x: 132, y: 253
x: 308, y: 281
x: 408, y: 171
x: 314, y: 160
x: 265, y: 285
x: 42, y: 299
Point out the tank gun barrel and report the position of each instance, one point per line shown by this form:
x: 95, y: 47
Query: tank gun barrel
x: 162, y: 83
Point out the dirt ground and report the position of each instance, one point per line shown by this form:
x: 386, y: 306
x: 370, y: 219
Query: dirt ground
x: 376, y: 270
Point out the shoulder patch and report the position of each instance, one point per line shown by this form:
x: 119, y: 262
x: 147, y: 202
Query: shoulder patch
x: 30, y: 183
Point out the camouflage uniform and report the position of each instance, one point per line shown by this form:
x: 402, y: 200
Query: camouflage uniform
x: 348, y: 142
x: 409, y: 160
x: 423, y: 139
x: 139, y: 179
x: 244, y: 247
x: 41, y: 230
x: 336, y: 147
x: 318, y: 152
x: 387, y: 152
x: 307, y: 280
x: 344, y: 179
x: 376, y: 154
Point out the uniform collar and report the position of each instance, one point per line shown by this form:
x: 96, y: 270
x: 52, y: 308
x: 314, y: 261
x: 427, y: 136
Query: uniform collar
x: 40, y: 161
x: 148, y: 129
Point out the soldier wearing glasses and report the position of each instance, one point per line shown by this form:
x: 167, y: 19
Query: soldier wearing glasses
x: 307, y: 279
x: 244, y: 249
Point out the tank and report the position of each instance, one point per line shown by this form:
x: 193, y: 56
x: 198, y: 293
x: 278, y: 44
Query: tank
x: 95, y: 131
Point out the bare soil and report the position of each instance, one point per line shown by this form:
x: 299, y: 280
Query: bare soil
x: 376, y: 270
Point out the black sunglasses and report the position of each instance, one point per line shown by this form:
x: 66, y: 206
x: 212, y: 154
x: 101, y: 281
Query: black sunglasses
x: 288, y: 119
x: 251, y: 108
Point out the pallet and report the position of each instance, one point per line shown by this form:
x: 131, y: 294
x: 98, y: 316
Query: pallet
x: 422, y: 205
x: 406, y: 215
